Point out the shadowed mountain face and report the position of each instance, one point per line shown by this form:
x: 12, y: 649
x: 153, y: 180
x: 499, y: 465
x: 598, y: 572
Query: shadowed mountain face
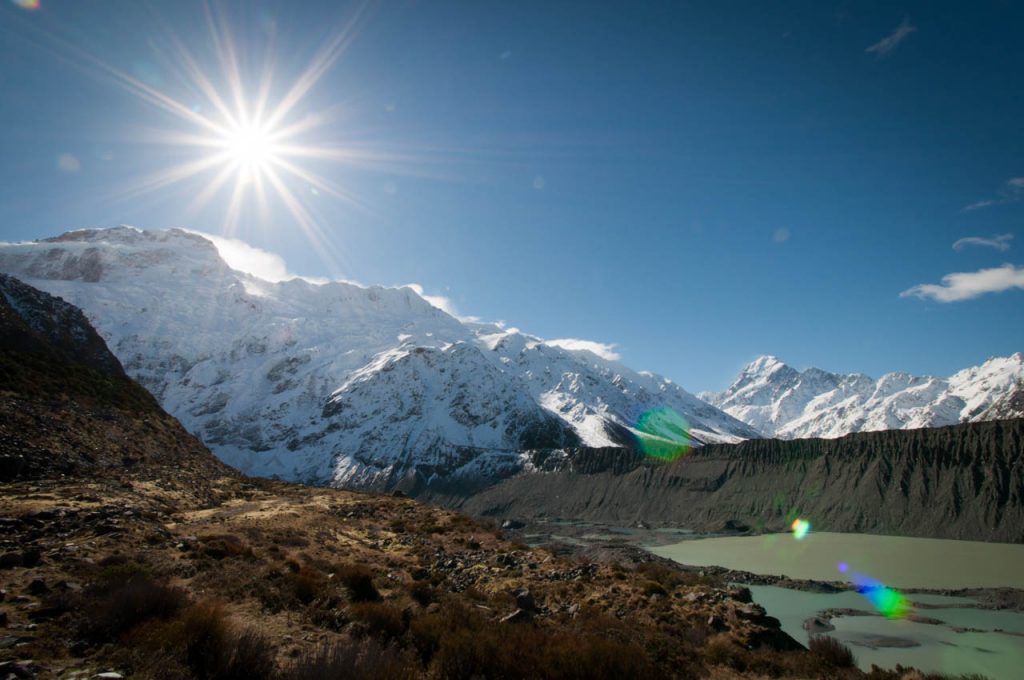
x: 67, y: 407
x: 963, y: 482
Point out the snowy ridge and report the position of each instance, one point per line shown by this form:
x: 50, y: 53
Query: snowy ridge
x: 339, y: 383
x: 783, y: 402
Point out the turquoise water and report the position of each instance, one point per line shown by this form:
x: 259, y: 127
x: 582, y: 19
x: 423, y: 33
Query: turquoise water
x: 939, y: 648
x: 900, y: 562
x: 897, y: 561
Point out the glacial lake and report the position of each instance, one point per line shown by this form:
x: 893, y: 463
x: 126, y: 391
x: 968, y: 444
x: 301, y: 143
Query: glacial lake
x: 897, y: 561
x: 903, y: 563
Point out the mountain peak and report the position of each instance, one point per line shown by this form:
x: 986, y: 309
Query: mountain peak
x: 765, y: 364
x: 814, y: 403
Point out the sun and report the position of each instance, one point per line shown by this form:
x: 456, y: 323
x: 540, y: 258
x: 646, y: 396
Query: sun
x: 250, y: 148
x: 247, y: 135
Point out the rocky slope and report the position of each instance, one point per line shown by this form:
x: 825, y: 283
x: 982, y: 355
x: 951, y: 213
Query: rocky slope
x: 67, y: 407
x: 961, y: 482
x: 782, y: 402
x: 337, y: 383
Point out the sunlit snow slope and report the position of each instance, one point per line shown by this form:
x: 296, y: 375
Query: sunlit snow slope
x: 339, y: 383
x: 783, y: 402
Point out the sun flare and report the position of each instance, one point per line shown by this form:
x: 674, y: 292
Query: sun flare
x: 247, y: 134
x: 250, y: 148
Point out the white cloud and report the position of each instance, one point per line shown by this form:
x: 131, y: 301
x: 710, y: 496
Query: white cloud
x: 999, y: 242
x: 68, y: 163
x: 890, y: 42
x: 243, y: 257
x: 967, y: 285
x: 603, y: 350
x: 980, y: 204
x: 1011, y: 192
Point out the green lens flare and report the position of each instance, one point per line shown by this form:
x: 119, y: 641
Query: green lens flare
x: 663, y: 434
x: 891, y: 603
x: 801, y: 528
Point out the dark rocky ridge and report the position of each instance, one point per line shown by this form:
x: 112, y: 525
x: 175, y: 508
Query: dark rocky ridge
x: 67, y: 407
x: 961, y: 482
x: 49, y: 349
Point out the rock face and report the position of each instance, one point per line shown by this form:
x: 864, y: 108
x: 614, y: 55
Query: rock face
x: 963, y: 482
x: 785, y: 403
x: 32, y: 321
x: 338, y: 383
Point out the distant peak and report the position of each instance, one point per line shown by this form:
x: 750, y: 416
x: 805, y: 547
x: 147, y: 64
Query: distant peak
x: 764, y: 364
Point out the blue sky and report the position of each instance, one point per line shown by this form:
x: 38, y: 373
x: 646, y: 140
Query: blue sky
x: 694, y: 183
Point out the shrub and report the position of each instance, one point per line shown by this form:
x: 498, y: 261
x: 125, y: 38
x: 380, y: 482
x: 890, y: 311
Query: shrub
x: 364, y: 659
x: 118, y: 568
x: 653, y: 588
x: 382, y: 620
x: 457, y: 642
x: 422, y: 592
x: 114, y: 606
x: 215, y: 651
x: 831, y: 651
x: 359, y: 582
x: 306, y: 584
x: 225, y: 545
x: 721, y: 650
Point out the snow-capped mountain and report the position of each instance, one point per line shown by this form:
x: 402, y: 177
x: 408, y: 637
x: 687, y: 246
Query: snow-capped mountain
x: 783, y: 402
x: 335, y: 382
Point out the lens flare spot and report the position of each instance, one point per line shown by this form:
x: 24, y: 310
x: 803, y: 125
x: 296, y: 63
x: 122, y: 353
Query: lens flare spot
x: 891, y: 603
x: 663, y: 434
x: 843, y: 567
x: 148, y: 73
x: 68, y: 163
x: 801, y: 528
x: 27, y: 4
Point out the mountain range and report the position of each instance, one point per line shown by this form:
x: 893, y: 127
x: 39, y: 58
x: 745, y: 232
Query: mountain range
x: 782, y: 402
x: 343, y: 384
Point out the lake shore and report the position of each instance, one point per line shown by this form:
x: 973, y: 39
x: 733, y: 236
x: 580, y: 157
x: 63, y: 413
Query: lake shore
x: 636, y: 544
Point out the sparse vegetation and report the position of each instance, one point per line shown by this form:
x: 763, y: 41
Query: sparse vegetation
x: 359, y: 581
x: 363, y: 659
x: 124, y: 597
x: 832, y: 652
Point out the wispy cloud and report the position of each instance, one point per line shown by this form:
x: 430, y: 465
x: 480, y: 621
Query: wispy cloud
x: 603, y: 350
x: 1011, y: 192
x: 968, y: 285
x: 243, y: 257
x: 999, y: 242
x: 890, y: 42
x: 439, y: 301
